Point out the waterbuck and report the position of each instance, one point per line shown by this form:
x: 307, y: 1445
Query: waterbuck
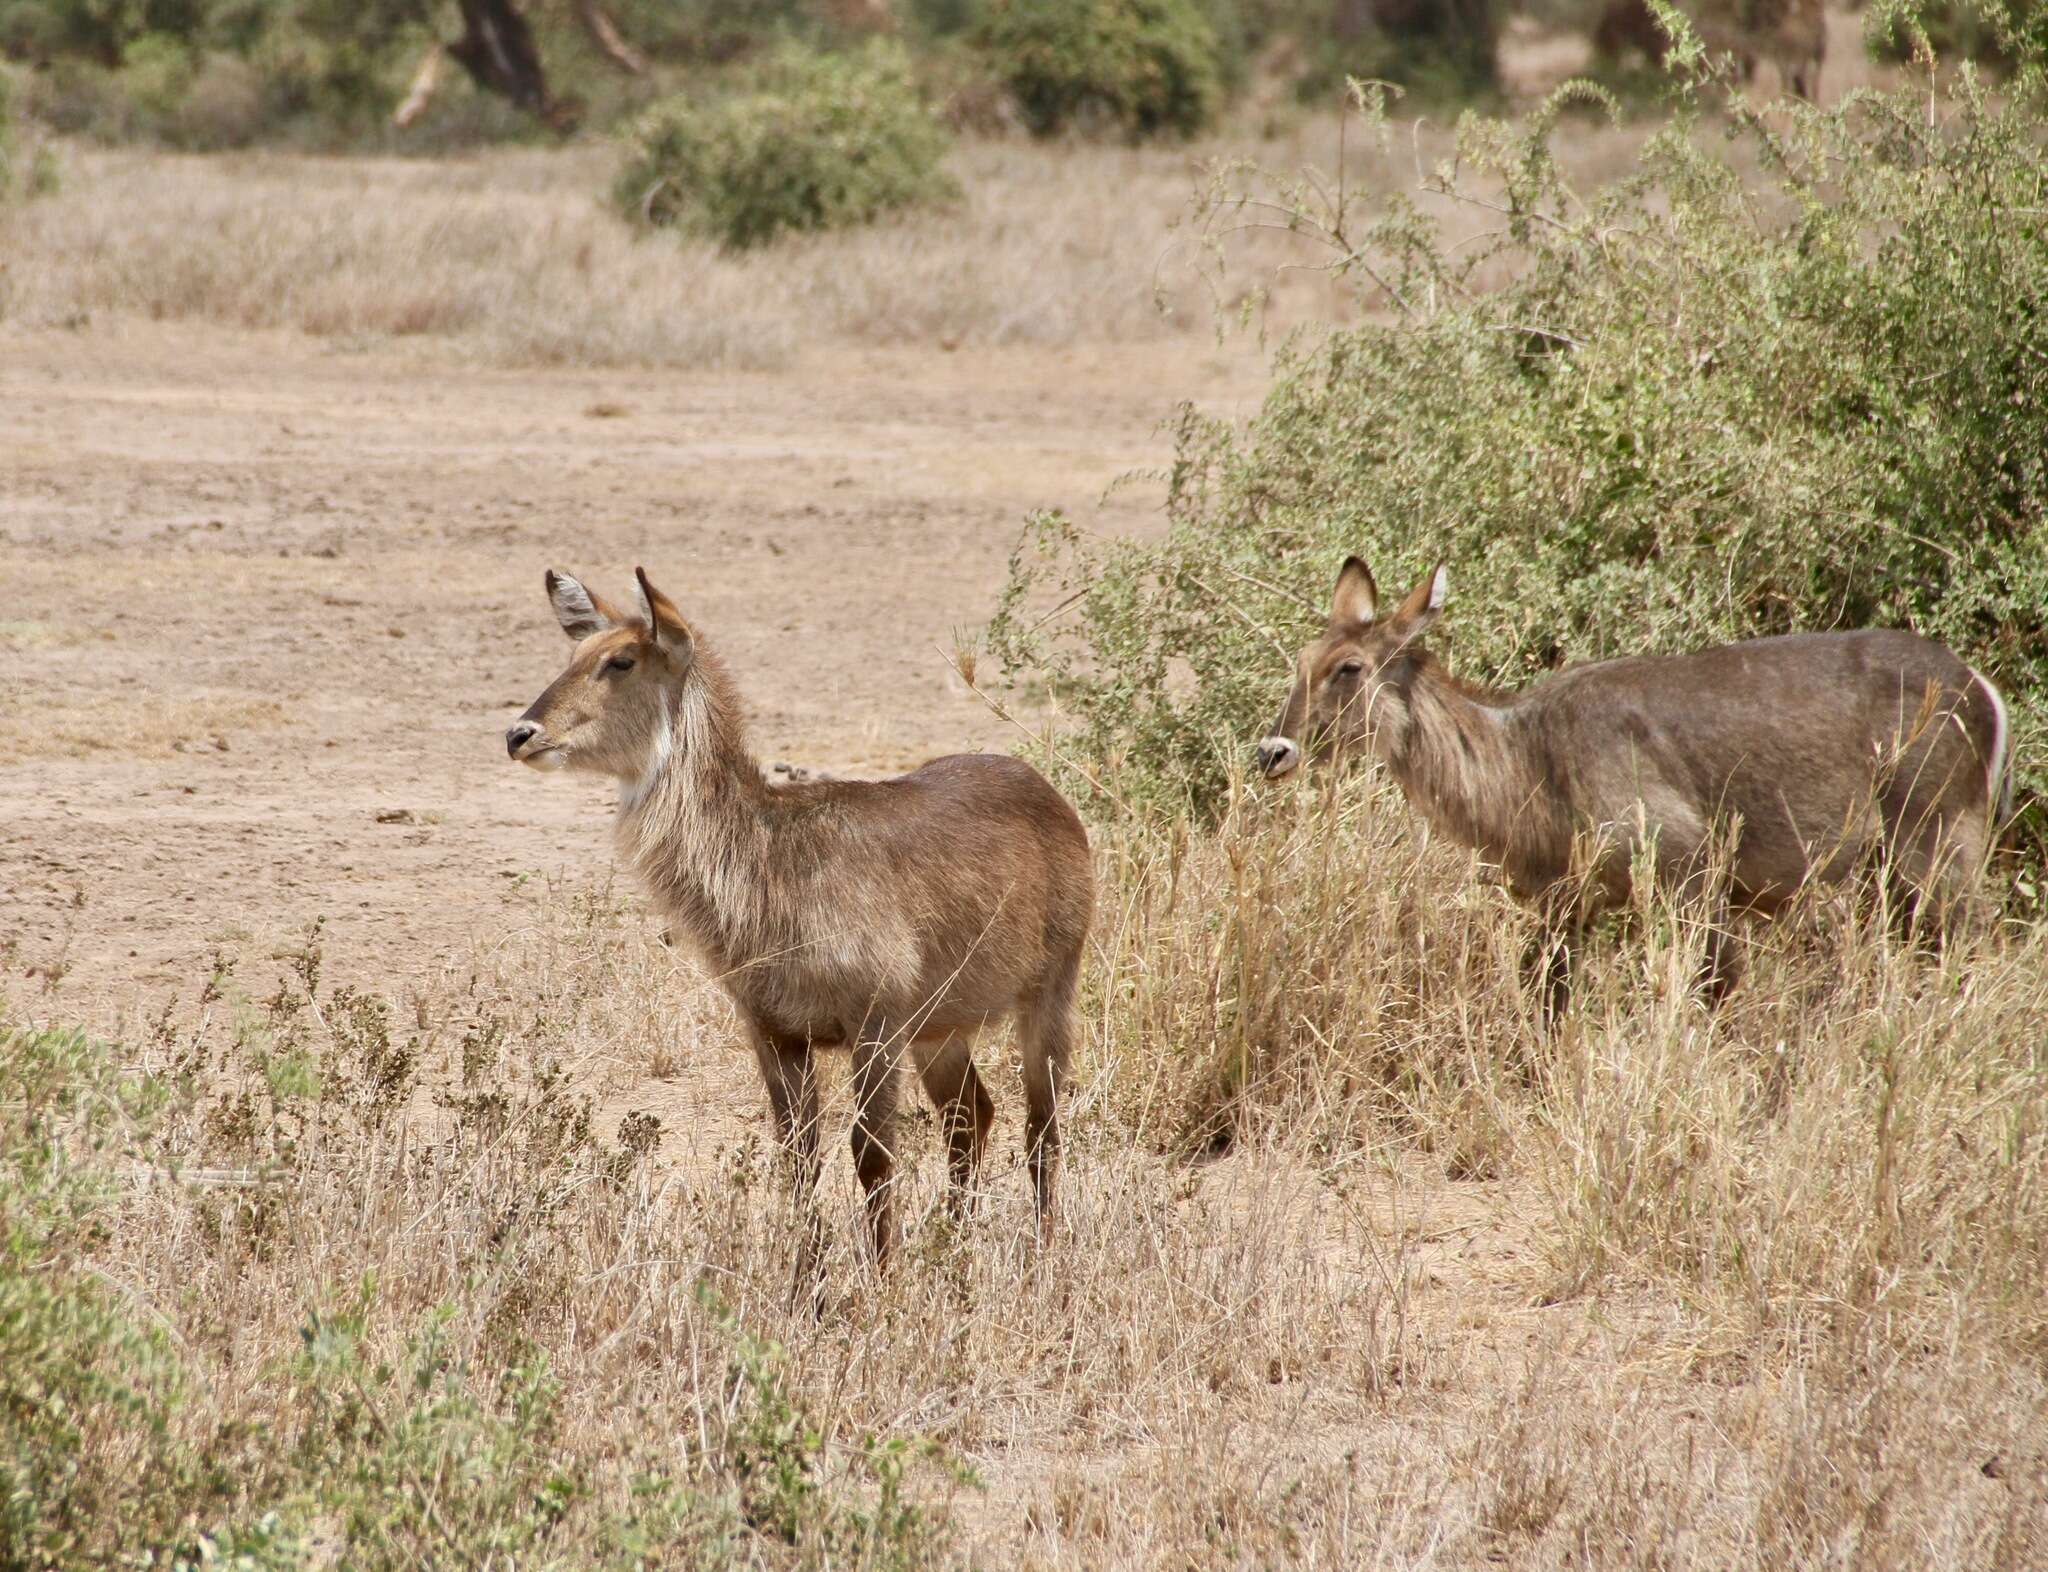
x: 882, y: 916
x: 1809, y: 751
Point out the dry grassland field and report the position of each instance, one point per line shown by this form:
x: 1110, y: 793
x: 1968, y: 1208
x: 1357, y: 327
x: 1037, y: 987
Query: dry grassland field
x: 285, y: 445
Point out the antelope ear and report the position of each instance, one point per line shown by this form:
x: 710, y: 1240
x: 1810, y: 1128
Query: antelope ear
x: 580, y: 612
x: 1357, y: 599
x: 665, y: 625
x: 1424, y: 601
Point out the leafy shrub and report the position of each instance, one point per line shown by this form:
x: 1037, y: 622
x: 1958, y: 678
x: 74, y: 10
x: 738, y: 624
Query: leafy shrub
x: 1992, y: 30
x: 1703, y: 406
x: 816, y: 142
x: 156, y: 71
x: 1148, y: 67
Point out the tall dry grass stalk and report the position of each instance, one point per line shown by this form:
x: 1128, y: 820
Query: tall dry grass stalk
x: 1862, y: 1122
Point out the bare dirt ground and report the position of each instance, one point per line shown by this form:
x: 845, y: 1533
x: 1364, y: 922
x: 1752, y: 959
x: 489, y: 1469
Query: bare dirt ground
x: 270, y: 606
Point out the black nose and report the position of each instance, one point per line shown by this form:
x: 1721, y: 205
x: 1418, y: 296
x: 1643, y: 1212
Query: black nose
x: 518, y: 735
x: 1278, y: 756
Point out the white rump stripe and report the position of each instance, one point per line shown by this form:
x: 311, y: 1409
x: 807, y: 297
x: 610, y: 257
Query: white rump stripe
x: 1997, y: 774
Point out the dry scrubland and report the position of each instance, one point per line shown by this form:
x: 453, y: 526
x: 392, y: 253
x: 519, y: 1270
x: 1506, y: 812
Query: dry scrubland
x: 513, y: 257
x: 1753, y: 1289
x: 1673, y: 1289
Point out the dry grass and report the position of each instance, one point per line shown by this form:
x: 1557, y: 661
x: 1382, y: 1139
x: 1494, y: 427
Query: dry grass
x: 1772, y: 1301
x: 513, y: 255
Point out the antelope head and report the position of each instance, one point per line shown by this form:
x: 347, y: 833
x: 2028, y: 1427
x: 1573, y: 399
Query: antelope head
x: 1352, y: 685
x: 611, y: 711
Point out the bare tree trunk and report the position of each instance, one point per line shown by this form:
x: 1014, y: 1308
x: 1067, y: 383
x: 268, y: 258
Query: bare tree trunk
x: 610, y: 42
x: 424, y: 81
x: 497, y: 50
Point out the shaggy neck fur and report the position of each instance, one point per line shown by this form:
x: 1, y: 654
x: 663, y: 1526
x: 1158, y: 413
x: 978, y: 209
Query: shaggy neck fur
x: 695, y: 826
x: 1462, y: 762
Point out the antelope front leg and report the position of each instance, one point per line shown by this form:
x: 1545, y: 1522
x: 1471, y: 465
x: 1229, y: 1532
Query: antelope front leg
x: 874, y: 1115
x: 1547, y: 972
x: 793, y: 1099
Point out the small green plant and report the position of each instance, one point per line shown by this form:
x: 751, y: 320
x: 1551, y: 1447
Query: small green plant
x: 96, y: 1455
x: 418, y: 1459
x: 1144, y: 67
x: 814, y: 141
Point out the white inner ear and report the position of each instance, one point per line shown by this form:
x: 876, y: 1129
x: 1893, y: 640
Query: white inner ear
x: 1356, y: 601
x: 646, y: 606
x: 1437, y: 586
x: 573, y: 605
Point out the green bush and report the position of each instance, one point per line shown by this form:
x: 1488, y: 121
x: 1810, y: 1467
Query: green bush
x: 1146, y: 67
x: 92, y: 1459
x: 1999, y: 31
x: 1705, y: 404
x: 814, y: 141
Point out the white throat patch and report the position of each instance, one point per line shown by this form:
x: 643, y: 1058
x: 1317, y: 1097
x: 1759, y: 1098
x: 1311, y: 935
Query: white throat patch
x: 633, y: 793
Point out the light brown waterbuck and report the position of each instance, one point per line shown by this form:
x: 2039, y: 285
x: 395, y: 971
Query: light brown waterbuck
x: 889, y: 917
x: 1806, y: 754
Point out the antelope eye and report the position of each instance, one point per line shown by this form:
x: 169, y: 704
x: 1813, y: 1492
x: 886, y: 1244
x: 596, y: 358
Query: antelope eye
x: 1350, y: 668
x: 619, y: 663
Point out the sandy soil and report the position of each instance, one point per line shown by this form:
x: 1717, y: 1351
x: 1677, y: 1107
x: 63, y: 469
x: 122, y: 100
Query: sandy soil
x: 270, y: 607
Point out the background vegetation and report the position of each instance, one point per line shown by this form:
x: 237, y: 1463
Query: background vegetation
x: 1146, y: 67
x: 207, y: 74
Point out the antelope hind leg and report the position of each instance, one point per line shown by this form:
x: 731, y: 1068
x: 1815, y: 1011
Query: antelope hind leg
x: 1045, y: 1030
x: 945, y: 1064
